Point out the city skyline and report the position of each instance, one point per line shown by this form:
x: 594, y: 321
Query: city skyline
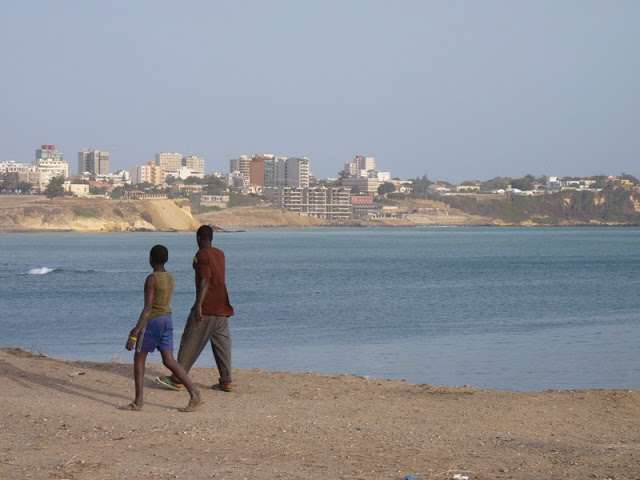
x: 190, y: 159
x: 455, y: 91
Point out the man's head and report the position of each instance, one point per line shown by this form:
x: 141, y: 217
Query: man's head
x: 204, y: 235
x: 159, y: 255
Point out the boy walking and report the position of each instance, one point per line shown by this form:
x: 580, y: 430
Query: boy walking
x: 155, y: 330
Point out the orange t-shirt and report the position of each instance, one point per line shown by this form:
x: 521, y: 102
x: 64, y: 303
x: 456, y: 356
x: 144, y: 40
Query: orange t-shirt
x: 209, y: 263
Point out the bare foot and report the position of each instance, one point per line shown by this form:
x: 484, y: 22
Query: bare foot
x: 194, y: 403
x: 132, y: 407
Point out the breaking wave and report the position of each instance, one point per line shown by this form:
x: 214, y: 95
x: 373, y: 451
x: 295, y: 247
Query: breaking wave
x: 41, y: 271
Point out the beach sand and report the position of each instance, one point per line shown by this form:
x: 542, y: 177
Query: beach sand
x: 59, y: 420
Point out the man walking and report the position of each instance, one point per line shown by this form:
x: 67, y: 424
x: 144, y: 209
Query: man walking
x: 209, y: 317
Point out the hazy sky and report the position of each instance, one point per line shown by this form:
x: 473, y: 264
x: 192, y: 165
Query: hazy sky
x: 455, y: 90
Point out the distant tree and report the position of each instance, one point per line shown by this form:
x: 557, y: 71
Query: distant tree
x: 116, y: 192
x: 193, y: 181
x: 55, y: 188
x: 97, y: 190
x: 93, y: 177
x: 419, y: 186
x: 386, y: 187
x: 524, y: 184
x: 497, y: 183
x: 214, y: 185
x: 25, y: 187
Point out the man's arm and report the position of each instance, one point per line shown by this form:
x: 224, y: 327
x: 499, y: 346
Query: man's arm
x: 202, y: 291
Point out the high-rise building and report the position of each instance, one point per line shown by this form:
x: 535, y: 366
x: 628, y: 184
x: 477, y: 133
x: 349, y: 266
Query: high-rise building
x: 193, y: 163
x: 48, y: 152
x: 169, y: 161
x: 93, y: 161
x: 49, y: 162
x: 148, y: 173
x: 365, y: 163
x: 242, y: 165
x: 257, y: 171
x: 292, y: 172
x: 360, y: 167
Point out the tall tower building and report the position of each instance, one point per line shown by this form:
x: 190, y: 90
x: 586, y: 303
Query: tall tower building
x: 194, y: 163
x: 169, y: 161
x: 49, y: 162
x: 292, y: 172
x: 48, y: 152
x: 93, y: 161
x: 242, y: 165
x: 365, y: 163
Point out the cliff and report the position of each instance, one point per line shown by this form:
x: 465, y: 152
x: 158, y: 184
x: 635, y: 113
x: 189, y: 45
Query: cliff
x: 36, y: 213
x: 569, y: 207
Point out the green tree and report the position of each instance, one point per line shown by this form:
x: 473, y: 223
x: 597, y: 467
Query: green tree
x: 214, y: 185
x: 386, y: 187
x: 25, y: 187
x: 193, y: 181
x: 116, y: 192
x: 55, y: 188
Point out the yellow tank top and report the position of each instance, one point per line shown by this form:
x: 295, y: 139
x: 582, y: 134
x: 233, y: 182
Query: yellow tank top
x: 162, y: 297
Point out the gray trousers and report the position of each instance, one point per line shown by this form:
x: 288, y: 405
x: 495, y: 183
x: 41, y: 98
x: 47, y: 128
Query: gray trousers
x: 214, y: 329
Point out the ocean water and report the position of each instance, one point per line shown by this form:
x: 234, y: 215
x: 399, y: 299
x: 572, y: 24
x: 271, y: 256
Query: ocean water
x: 502, y: 308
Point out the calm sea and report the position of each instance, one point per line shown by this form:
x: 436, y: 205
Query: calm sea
x: 500, y: 308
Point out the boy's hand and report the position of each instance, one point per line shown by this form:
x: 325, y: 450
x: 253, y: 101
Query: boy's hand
x: 130, y: 343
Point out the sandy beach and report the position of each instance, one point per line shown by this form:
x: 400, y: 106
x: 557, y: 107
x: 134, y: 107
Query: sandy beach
x: 60, y: 421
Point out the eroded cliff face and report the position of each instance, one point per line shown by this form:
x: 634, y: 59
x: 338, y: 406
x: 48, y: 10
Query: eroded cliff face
x: 95, y: 215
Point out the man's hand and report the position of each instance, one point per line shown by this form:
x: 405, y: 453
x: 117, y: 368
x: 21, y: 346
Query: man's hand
x: 198, y: 312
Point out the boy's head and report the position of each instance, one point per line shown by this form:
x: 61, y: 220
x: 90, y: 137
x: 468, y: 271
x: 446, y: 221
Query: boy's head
x: 159, y: 254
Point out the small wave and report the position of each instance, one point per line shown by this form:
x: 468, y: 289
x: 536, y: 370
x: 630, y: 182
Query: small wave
x: 41, y: 271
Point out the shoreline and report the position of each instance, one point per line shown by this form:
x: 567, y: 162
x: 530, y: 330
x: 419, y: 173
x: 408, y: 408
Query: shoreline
x: 60, y: 421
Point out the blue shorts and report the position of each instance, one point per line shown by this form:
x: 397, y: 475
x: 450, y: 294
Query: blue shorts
x: 157, y: 333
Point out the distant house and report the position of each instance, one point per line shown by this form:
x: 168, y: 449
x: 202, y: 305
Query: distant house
x: 77, y: 189
x: 402, y: 188
x: 220, y: 201
x: 467, y: 188
x: 438, y: 188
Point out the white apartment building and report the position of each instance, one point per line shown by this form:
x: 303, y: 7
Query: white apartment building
x: 51, y: 168
x: 49, y: 162
x: 183, y: 173
x: 11, y: 166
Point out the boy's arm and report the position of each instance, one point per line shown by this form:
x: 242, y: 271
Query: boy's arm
x: 149, y: 293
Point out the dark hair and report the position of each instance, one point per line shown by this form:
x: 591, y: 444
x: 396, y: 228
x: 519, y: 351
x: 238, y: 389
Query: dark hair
x: 159, y: 254
x: 205, y: 231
